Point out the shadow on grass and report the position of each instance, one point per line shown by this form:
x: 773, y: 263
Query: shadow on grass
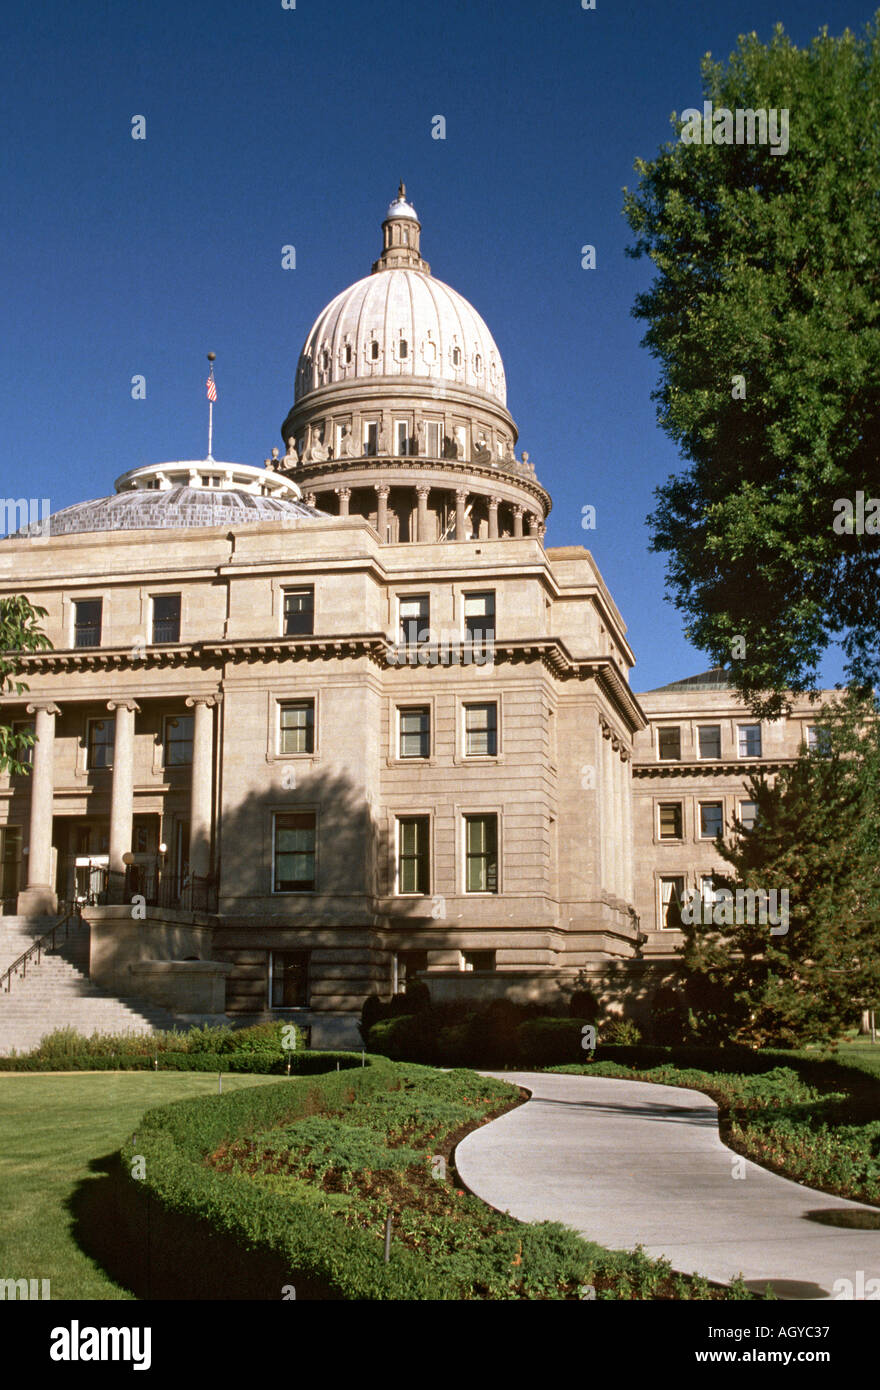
x: 158, y: 1254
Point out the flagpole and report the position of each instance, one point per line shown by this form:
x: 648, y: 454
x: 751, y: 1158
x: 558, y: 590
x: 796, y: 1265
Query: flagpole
x: 211, y: 358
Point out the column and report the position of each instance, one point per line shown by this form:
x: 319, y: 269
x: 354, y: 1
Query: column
x: 493, y: 518
x: 344, y: 494
x: 310, y: 499
x: 201, y: 791
x: 460, y: 504
x: 122, y: 789
x: 422, y: 516
x: 533, y: 524
x: 39, y: 896
x: 517, y: 521
x: 382, y: 510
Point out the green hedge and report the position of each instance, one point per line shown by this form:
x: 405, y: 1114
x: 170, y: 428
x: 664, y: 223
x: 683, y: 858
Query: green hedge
x: 478, y: 1040
x: 199, y: 1225
x: 266, y: 1064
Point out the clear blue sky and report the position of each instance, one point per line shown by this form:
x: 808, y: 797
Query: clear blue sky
x: 268, y: 126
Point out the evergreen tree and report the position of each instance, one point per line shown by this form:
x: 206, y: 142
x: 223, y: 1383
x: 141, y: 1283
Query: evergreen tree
x: 816, y: 836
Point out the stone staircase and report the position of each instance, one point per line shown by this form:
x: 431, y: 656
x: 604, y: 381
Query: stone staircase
x: 58, y: 993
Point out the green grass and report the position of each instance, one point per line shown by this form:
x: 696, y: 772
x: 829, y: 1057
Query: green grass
x: 55, y: 1132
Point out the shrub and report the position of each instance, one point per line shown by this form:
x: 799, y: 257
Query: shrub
x: 622, y: 1031
x: 542, y: 1042
x: 584, y: 1004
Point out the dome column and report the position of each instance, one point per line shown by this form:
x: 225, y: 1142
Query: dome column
x: 517, y: 521
x: 493, y: 518
x: 344, y: 495
x: 533, y: 525
x: 460, y: 504
x: 382, y: 492
x: 422, y: 512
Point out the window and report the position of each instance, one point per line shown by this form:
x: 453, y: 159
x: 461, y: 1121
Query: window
x: 478, y: 960
x: 478, y: 364
x: 296, y: 726
x: 403, y: 350
x: 456, y: 357
x: 711, y: 819
x: 670, y: 821
x: 481, y: 854
x: 707, y: 892
x: 295, y: 852
x: 371, y: 437
x: 709, y: 736
x: 409, y: 964
x: 479, y: 619
x: 750, y: 740
x: 669, y: 744
x: 166, y: 618
x: 348, y: 354
x: 432, y: 439
x: 415, y: 732
x: 374, y: 351
x: 413, y: 858
x: 415, y: 612
x: 23, y: 754
x: 87, y: 622
x: 299, y: 612
x: 179, y: 740
x: 401, y: 437
x: 481, y: 730
x: 671, y: 894
x: 819, y: 740
x: 101, y: 733
x: 748, y: 814
x: 288, y: 979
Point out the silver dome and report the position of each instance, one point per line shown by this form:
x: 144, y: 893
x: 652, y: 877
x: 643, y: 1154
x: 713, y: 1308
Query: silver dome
x: 173, y: 508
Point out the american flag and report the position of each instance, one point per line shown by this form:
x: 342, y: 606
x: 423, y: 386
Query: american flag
x: 212, y: 389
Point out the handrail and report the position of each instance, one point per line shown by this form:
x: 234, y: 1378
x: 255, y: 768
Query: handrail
x: 38, y: 947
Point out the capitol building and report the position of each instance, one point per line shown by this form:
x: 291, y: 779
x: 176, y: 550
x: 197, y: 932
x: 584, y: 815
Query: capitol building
x: 313, y: 728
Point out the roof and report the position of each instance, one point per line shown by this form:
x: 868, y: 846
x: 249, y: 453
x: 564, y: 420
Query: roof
x: 716, y: 679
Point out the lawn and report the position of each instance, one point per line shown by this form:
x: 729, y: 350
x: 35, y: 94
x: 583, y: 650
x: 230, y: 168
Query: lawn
x: 55, y: 1134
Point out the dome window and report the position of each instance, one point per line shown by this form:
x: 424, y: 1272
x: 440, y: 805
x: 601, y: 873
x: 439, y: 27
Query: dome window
x: 456, y: 357
x: 374, y: 351
x: 325, y: 360
x: 348, y: 354
x: 404, y: 349
x: 478, y: 364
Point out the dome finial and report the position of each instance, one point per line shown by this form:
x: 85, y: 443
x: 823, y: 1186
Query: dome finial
x: 401, y: 191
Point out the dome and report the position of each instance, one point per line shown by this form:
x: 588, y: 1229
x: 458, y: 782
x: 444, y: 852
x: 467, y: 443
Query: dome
x: 401, y: 323
x: 176, y: 507
x: 401, y: 208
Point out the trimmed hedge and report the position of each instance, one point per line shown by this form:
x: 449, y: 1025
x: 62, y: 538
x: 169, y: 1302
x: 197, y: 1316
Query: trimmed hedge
x: 481, y: 1039
x: 201, y: 1223
x: 254, y: 1063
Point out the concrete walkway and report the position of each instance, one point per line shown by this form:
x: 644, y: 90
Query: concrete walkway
x: 627, y: 1163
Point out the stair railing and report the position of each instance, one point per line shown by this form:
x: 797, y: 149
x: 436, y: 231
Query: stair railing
x: 73, y: 917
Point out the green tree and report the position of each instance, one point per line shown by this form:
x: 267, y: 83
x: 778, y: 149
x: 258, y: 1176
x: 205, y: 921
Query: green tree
x: 19, y: 632
x: 816, y: 836
x: 768, y: 270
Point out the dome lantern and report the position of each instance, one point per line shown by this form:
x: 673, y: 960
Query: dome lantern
x: 401, y: 231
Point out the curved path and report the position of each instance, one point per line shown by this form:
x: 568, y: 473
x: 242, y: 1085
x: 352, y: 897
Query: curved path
x: 628, y: 1162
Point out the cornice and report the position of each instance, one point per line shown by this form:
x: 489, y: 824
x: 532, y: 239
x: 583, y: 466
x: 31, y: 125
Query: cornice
x: 736, y: 768
x: 397, y: 470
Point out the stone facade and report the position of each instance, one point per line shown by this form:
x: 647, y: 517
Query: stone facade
x: 345, y: 719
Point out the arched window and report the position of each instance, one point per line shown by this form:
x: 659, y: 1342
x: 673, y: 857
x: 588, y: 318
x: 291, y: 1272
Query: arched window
x: 325, y: 360
x: 478, y: 363
x: 374, y: 350
x: 405, y: 236
x: 404, y: 349
x: 456, y: 357
x: 348, y: 354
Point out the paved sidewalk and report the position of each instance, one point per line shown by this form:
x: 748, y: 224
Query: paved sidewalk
x: 627, y: 1163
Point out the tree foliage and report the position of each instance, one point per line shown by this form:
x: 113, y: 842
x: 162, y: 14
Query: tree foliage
x: 816, y: 836
x: 19, y: 632
x: 768, y: 269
